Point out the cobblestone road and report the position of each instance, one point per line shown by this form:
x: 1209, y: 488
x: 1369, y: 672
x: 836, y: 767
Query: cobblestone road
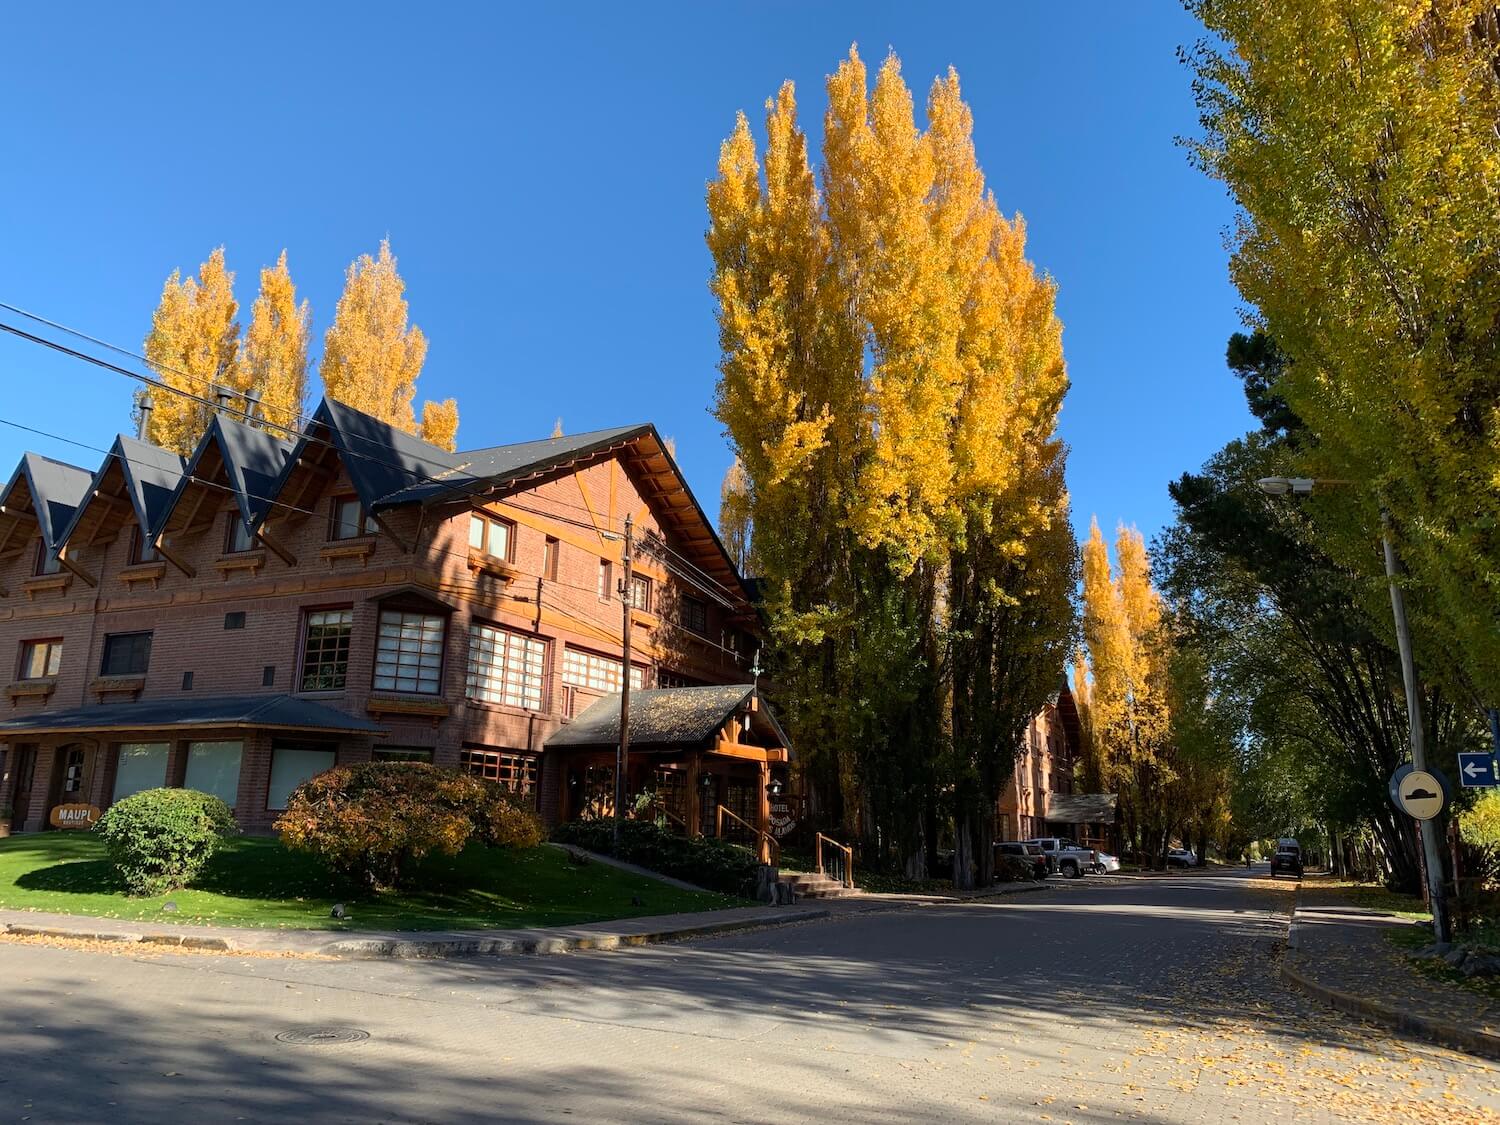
x: 1154, y: 1000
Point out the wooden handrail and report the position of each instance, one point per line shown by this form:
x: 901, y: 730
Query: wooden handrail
x: 845, y: 850
x: 770, y: 850
x: 657, y: 807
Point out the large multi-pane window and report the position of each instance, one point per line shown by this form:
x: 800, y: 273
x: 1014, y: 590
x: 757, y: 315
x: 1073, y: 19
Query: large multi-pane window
x: 409, y: 652
x: 214, y: 768
x: 640, y: 592
x: 490, y: 535
x: 291, y: 765
x: 141, y: 765
x: 40, y: 659
x: 598, y: 673
x: 505, y: 667
x: 349, y: 519
x: 126, y: 654
x: 516, y: 772
x: 325, y: 649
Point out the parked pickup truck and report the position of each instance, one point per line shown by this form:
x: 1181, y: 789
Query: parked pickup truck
x: 1067, y: 857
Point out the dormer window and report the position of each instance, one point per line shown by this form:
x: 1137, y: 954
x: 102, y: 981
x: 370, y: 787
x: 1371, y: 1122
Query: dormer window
x: 350, y: 520
x: 237, y: 539
x: 490, y: 535
x: 141, y: 550
x: 46, y: 561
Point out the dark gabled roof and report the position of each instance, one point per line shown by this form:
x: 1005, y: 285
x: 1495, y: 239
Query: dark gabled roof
x: 689, y: 716
x: 253, y: 461
x: 280, y: 712
x: 151, y: 475
x: 480, y: 470
x: 56, y: 490
x: 379, y: 458
x: 1081, y: 808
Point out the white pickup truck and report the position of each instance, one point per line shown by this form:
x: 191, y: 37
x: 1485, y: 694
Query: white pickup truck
x: 1068, y: 858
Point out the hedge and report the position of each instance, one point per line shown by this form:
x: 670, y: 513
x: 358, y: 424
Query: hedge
x: 159, y: 839
x: 715, y: 865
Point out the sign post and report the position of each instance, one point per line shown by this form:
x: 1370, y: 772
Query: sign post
x: 1478, y: 770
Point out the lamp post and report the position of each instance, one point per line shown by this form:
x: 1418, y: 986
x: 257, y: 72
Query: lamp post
x: 1431, y: 853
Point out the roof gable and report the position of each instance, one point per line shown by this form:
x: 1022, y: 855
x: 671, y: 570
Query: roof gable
x: 379, y: 458
x: 248, y: 462
x: 688, y: 716
x: 53, y: 492
x: 148, y: 475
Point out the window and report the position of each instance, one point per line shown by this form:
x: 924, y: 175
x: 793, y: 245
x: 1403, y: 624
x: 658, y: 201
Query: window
x: 290, y: 767
x: 640, y: 592
x: 505, y: 667
x: 40, y: 659
x: 490, y: 535
x: 695, y: 615
x: 141, y: 550
x: 126, y: 654
x: 325, y: 649
x: 517, y: 772
x: 400, y: 754
x: 235, y: 619
x: 142, y: 765
x: 214, y: 768
x: 237, y: 537
x: 46, y: 561
x: 598, y: 673
x: 409, y: 652
x: 549, y: 559
x: 606, y: 590
x: 268, y: 676
x: 349, y: 519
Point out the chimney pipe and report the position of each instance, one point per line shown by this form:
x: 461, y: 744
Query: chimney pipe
x: 224, y: 398
x: 252, y: 405
x: 143, y: 427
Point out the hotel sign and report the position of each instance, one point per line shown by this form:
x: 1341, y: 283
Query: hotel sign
x: 74, y: 816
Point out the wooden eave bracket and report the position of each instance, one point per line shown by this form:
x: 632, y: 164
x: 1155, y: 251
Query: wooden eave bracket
x: 277, y: 549
x: 73, y: 565
x: 380, y: 522
x: 171, y: 555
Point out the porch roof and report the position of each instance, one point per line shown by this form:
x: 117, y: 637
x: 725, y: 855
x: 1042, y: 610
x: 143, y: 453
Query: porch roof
x: 666, y: 717
x: 276, y: 712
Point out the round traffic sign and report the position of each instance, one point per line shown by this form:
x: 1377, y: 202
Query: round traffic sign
x: 1418, y: 793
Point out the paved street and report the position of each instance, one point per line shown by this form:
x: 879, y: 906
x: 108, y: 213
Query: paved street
x: 1148, y: 999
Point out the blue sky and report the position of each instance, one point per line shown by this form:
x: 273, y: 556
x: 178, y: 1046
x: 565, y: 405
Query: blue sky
x: 540, y: 171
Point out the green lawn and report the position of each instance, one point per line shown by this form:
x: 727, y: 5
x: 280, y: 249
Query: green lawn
x: 256, y: 882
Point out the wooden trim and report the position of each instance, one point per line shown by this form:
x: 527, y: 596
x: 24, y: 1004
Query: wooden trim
x: 483, y: 561
x: 360, y: 549
x: 404, y: 705
x: 152, y: 572
x: 741, y: 750
x: 240, y: 560
x: 76, y: 568
x: 170, y: 554
x: 280, y: 551
x: 380, y: 522
x: 102, y: 685
x: 42, y: 583
x: 40, y: 688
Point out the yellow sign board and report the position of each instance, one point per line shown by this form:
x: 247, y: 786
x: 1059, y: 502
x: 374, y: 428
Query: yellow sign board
x: 74, y: 816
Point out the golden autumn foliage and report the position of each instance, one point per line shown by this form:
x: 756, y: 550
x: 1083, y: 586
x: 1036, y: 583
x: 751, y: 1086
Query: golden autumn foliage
x: 273, y: 356
x: 734, y: 515
x: 1359, y: 140
x: 440, y: 423
x: 890, y: 377
x: 192, y: 348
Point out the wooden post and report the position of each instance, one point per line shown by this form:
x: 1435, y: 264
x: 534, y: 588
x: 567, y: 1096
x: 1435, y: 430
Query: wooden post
x: 694, y: 796
x: 718, y: 821
x: 763, y: 817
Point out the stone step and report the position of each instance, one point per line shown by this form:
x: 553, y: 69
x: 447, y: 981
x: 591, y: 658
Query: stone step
x: 813, y: 886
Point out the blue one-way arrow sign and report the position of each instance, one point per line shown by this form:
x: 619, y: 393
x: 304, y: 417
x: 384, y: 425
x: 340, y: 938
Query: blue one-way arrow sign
x: 1476, y: 770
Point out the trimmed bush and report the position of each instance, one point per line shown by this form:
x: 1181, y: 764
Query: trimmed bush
x: 159, y: 839
x: 714, y: 865
x: 372, y: 822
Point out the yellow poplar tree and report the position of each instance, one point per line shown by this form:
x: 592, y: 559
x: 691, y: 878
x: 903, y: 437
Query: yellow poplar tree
x: 273, y: 356
x: 192, y: 348
x: 371, y: 358
x: 734, y: 514
x: 440, y: 423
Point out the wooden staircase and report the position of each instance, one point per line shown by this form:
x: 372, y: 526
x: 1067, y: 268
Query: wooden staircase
x: 807, y: 885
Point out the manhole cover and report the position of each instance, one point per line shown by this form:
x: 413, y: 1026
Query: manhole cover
x: 322, y: 1036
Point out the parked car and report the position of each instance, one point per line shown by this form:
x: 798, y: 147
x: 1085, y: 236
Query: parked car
x: 1287, y: 861
x: 1067, y: 857
x: 1107, y: 863
x: 1182, y: 857
x: 1031, y: 852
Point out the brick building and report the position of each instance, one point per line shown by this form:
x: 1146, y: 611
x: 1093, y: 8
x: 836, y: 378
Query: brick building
x: 242, y: 619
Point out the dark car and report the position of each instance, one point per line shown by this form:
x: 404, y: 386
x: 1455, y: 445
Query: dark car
x: 1286, y: 861
x: 1032, y: 852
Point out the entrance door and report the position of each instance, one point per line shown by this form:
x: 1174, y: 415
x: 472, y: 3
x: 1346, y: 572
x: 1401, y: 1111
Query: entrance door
x: 25, y: 771
x: 72, y: 776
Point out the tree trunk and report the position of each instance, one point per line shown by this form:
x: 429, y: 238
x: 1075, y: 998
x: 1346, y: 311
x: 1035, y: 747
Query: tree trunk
x: 963, y: 851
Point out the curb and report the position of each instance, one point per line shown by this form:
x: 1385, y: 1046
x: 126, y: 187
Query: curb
x: 1467, y: 1039
x: 184, y: 941
x: 377, y: 948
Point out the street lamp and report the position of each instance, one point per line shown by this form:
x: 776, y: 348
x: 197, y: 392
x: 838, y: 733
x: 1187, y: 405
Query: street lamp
x: 1302, y: 486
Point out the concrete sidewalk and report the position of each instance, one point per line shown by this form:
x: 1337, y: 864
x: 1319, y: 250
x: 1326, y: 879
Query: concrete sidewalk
x: 1342, y: 954
x: 429, y: 944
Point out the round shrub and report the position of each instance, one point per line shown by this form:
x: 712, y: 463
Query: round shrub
x: 371, y: 822
x: 159, y: 839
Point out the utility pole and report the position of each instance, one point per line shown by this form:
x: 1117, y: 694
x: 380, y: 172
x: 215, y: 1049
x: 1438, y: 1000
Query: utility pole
x: 622, y: 752
x: 1431, y: 850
